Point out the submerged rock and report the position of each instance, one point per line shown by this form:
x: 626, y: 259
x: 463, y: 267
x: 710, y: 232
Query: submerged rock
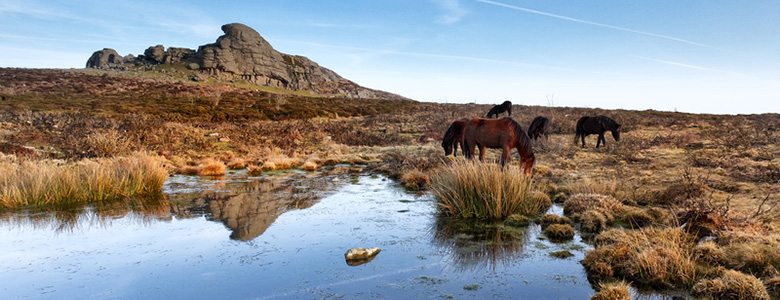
x: 359, y: 256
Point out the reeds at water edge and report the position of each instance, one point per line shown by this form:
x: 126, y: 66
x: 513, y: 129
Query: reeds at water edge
x: 46, y: 182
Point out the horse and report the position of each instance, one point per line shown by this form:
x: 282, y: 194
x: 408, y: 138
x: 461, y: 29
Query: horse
x: 454, y: 137
x: 503, y: 134
x: 540, y: 126
x: 597, y: 125
x: 498, y: 109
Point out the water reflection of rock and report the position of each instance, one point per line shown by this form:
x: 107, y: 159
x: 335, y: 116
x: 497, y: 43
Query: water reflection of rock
x: 248, y: 208
x: 476, y: 244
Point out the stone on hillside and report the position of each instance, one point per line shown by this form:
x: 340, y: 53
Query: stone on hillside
x: 105, y: 59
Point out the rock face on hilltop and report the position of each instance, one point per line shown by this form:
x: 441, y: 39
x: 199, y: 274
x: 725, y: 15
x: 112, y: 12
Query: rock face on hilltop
x: 241, y: 53
x: 105, y: 59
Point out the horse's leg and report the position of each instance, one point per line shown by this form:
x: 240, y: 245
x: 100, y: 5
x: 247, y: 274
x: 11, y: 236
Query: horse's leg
x: 505, y: 155
x: 601, y: 137
x: 481, y: 153
x: 455, y: 149
x: 583, y: 139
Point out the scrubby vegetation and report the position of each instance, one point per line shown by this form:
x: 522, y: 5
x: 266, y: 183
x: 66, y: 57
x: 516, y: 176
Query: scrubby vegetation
x: 684, y: 201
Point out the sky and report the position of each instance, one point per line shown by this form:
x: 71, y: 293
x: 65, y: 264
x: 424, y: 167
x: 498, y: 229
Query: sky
x: 695, y: 56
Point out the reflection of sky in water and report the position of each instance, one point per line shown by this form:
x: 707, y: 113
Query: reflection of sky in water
x: 300, y: 255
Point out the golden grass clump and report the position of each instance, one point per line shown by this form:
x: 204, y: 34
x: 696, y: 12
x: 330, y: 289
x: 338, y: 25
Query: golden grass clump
x: 710, y: 253
x: 559, y: 232
x: 594, y: 221
x: 732, y: 285
x: 414, y: 179
x: 550, y: 219
x: 650, y: 256
x: 579, y: 203
x: 310, y: 165
x: 211, y: 167
x: 773, y: 286
x: 517, y: 220
x: 254, y: 170
x: 236, y: 163
x: 635, y: 217
x: 473, y: 189
x: 281, y: 162
x: 45, y: 182
x: 616, y: 290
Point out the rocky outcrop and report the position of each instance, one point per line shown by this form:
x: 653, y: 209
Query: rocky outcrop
x: 242, y: 54
x: 105, y: 59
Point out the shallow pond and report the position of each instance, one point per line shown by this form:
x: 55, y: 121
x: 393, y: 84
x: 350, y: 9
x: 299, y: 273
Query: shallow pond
x: 280, y: 235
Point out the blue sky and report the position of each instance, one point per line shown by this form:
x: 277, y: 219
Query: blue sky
x: 691, y: 56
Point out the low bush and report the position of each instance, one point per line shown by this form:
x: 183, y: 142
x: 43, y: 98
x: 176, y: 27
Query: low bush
x: 559, y: 232
x: 616, y: 290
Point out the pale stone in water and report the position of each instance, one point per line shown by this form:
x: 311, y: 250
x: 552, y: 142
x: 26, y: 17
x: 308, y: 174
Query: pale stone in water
x: 361, y: 253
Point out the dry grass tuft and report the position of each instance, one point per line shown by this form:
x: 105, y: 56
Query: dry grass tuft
x: 550, y: 219
x: 415, y: 179
x: 310, y: 165
x: 732, y: 285
x: 254, y: 170
x: 653, y: 257
x: 617, y: 290
x: 580, y: 203
x: 472, y: 189
x: 45, y: 182
x: 559, y: 232
x: 211, y: 167
x: 236, y: 163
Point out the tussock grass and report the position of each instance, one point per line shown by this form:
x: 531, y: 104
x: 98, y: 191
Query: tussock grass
x: 732, y: 285
x: 662, y: 258
x: 550, y: 219
x: 559, y: 232
x: 476, y: 190
x: 616, y: 290
x: 211, y: 167
x: 46, y: 182
x: 414, y: 179
x: 236, y: 163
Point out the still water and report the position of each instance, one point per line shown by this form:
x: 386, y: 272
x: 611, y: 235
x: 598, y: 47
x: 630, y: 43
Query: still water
x: 279, y: 236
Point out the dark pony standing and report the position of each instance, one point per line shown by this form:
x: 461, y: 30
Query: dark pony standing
x: 503, y: 134
x: 597, y: 125
x: 540, y: 126
x: 499, y: 109
x: 454, y: 137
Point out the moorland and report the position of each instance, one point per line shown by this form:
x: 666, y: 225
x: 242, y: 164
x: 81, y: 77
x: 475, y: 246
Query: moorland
x: 683, y: 201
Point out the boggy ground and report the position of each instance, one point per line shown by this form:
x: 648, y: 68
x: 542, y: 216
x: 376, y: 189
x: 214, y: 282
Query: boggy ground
x: 708, y: 183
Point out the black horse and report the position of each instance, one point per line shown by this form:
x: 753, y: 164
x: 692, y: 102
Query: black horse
x: 498, y: 109
x: 597, y: 125
x: 540, y: 126
x: 454, y: 137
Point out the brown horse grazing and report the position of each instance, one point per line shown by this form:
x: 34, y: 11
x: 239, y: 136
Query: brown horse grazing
x: 498, y: 109
x: 540, y: 126
x: 597, y: 125
x: 454, y: 137
x: 503, y: 134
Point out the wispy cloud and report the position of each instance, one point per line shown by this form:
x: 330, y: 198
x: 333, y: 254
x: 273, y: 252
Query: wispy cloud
x: 595, y: 23
x: 676, y: 64
x: 453, y: 11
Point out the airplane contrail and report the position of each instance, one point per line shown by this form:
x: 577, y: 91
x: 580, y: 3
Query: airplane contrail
x: 595, y: 23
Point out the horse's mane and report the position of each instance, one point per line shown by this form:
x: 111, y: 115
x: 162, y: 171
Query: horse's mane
x: 521, y: 136
x: 611, y: 124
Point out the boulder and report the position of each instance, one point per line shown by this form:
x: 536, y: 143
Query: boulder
x: 105, y: 59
